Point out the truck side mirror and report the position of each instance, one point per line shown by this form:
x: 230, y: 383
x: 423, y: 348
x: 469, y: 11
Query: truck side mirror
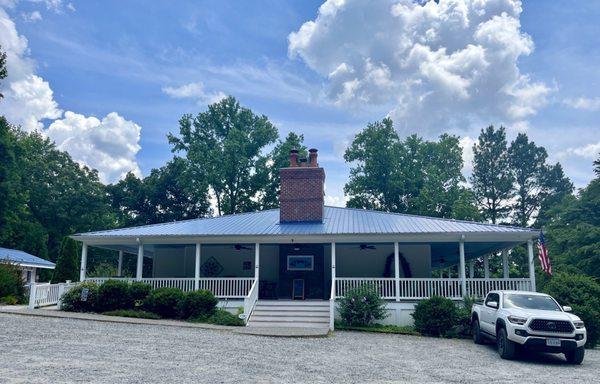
x: 566, y: 308
x: 492, y: 304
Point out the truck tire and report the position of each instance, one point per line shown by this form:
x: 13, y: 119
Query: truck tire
x: 575, y: 356
x: 506, y: 348
x: 476, y: 332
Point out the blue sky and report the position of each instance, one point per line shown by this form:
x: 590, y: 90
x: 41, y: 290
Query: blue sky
x: 108, y: 80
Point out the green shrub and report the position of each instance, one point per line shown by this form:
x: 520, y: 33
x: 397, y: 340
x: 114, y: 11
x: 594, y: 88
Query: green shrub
x: 67, y: 264
x: 164, y: 302
x: 11, y: 281
x: 72, y: 300
x: 462, y: 325
x: 9, y: 300
x: 113, y: 295
x: 362, y: 306
x: 198, y: 304
x: 379, y: 328
x: 132, y: 313
x: 138, y: 292
x: 220, y: 317
x: 435, y: 316
x: 583, y: 294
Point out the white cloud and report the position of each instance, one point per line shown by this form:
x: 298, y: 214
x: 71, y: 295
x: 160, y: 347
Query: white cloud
x: 194, y: 91
x: 437, y: 66
x: 109, y: 145
x: 32, y: 16
x: 584, y: 103
x: 466, y: 143
x: 588, y: 151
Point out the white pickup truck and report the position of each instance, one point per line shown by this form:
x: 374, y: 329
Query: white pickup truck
x: 530, y: 320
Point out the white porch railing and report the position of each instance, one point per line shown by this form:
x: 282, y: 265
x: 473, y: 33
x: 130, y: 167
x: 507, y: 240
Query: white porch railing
x: 221, y: 287
x: 251, y: 299
x: 42, y: 295
x: 422, y: 288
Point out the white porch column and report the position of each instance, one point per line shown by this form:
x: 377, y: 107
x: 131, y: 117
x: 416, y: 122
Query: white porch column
x: 197, y: 268
x: 531, y: 265
x: 256, y: 262
x: 83, y: 266
x: 397, y: 270
x: 463, y: 279
x: 486, y: 266
x: 471, y: 269
x: 333, y: 267
x: 505, y: 264
x: 140, y: 262
x: 120, y: 264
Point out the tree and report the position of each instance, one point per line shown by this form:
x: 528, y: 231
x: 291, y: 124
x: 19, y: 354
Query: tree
x: 67, y: 264
x: 411, y: 176
x: 536, y: 183
x: 3, y: 70
x: 277, y: 159
x: 491, y: 180
x: 224, y: 147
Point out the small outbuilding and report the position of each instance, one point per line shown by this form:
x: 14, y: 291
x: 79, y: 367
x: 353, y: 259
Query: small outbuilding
x: 29, y: 264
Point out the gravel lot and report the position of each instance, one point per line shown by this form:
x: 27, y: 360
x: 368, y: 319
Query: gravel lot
x: 51, y: 350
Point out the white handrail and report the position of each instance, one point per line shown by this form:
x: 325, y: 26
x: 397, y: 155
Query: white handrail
x: 250, y: 301
x: 332, y: 305
x: 45, y: 294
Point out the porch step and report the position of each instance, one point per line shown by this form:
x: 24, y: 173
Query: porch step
x: 287, y: 313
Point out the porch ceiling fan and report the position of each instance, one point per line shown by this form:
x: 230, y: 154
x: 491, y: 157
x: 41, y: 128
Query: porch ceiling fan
x: 367, y: 246
x: 239, y: 247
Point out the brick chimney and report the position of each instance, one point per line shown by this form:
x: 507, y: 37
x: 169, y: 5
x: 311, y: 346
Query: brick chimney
x: 302, y: 189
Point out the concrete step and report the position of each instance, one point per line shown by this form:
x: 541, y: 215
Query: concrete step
x: 274, y: 324
x: 290, y: 308
x: 294, y: 319
x: 260, y: 312
x: 294, y: 302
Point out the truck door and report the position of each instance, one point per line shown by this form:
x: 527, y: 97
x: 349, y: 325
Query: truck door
x: 488, y: 314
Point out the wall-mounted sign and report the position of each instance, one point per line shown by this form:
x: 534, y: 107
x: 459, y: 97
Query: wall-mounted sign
x: 300, y: 262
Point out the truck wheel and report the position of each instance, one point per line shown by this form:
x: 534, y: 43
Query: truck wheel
x: 575, y: 356
x: 506, y: 348
x: 476, y: 332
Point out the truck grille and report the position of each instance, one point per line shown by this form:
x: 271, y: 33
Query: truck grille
x: 558, y: 326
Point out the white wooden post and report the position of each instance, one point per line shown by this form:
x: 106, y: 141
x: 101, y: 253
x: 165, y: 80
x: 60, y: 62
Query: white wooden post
x: 531, y: 265
x: 486, y: 267
x: 61, y: 291
x: 471, y: 269
x: 463, y: 279
x: 83, y: 266
x: 197, y: 268
x: 257, y: 263
x: 32, y: 294
x: 333, y: 294
x: 397, y: 270
x: 140, y: 262
x: 120, y: 264
x: 505, y: 269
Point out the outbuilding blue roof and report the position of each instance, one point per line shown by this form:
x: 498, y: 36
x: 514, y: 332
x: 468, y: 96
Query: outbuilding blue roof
x: 24, y: 259
x: 336, y: 221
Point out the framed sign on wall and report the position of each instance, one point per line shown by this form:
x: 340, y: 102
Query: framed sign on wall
x: 300, y: 262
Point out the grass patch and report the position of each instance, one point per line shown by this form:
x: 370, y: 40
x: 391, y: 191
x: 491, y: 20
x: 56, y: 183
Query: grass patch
x: 132, y: 313
x: 221, y: 317
x: 379, y: 328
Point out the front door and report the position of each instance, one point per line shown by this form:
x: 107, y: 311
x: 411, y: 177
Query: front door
x: 301, y: 272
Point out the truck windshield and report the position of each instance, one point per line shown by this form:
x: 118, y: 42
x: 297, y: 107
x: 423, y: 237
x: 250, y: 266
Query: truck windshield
x: 525, y: 301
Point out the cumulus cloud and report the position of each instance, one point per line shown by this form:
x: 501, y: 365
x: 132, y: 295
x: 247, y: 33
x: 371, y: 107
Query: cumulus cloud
x: 32, y: 16
x: 451, y: 64
x: 584, y: 103
x: 109, y: 145
x: 588, y: 151
x: 195, y: 91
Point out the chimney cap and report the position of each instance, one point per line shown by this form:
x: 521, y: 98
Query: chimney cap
x: 293, y: 151
x: 313, y: 150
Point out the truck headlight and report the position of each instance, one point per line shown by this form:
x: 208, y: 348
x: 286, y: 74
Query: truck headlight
x: 517, y: 320
x: 579, y: 324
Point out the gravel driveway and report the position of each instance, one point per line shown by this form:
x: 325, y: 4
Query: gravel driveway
x: 50, y: 350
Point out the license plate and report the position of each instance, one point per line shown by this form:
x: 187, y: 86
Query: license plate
x: 553, y: 342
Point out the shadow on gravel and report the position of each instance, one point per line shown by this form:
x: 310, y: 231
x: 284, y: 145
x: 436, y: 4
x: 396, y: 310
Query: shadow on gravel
x: 531, y: 357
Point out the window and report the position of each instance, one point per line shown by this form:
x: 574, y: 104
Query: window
x: 525, y: 301
x: 492, y: 297
x: 300, y: 262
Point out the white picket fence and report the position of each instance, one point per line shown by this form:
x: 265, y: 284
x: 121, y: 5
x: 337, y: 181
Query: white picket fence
x: 43, y: 295
x: 422, y: 288
x: 221, y: 287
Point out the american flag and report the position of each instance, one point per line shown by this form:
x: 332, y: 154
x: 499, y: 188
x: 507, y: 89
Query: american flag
x: 543, y: 255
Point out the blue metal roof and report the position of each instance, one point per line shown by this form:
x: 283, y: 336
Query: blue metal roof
x: 24, y: 258
x: 337, y: 221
